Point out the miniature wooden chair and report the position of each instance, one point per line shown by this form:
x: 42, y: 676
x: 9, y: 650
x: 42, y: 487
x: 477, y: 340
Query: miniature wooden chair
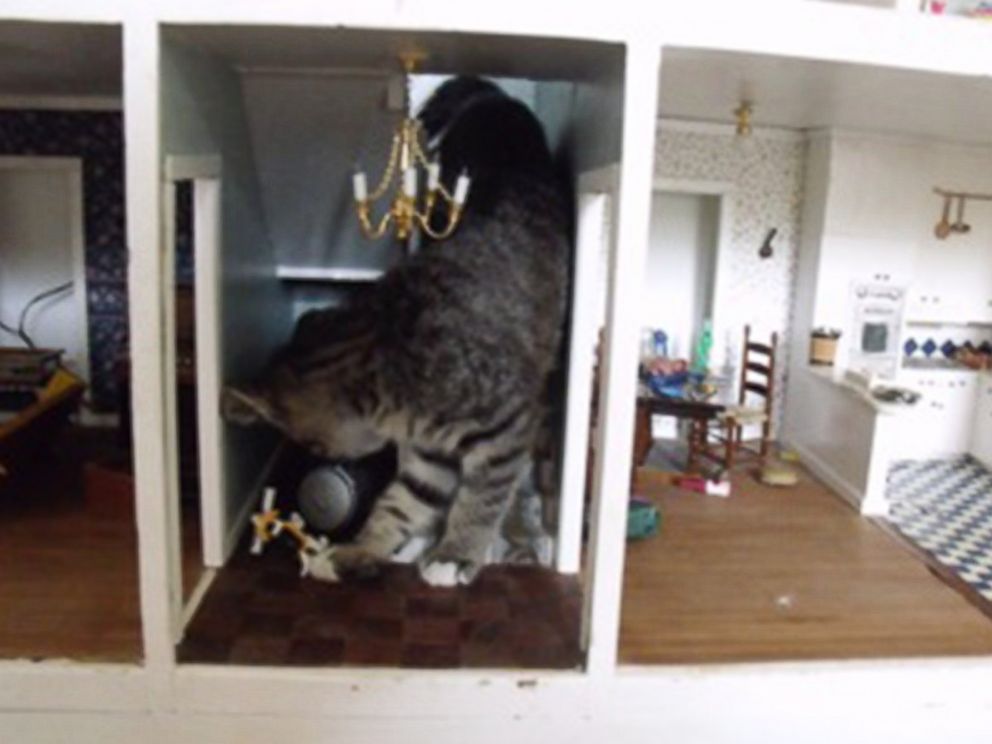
x: 724, y: 442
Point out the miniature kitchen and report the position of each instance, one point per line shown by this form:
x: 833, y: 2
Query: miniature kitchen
x: 897, y: 418
x: 854, y: 230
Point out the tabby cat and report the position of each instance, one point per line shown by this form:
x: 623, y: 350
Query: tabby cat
x: 448, y: 356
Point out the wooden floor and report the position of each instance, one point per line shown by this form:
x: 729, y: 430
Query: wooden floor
x: 69, y: 579
x: 68, y: 568
x: 783, y: 574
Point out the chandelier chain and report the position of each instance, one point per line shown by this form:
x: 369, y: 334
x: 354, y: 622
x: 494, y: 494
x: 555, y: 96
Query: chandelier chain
x: 387, y: 175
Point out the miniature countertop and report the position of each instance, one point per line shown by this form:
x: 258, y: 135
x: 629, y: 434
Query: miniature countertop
x: 851, y: 383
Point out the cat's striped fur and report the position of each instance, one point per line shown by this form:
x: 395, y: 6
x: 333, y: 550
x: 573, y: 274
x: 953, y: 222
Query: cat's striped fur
x: 448, y: 356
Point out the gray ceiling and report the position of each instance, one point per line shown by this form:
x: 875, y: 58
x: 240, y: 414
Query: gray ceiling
x: 56, y: 59
x: 59, y: 59
x: 336, y: 48
x: 809, y: 94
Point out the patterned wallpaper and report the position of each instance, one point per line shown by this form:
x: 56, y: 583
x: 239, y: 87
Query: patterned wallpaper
x: 184, y: 233
x: 767, y: 174
x: 96, y: 137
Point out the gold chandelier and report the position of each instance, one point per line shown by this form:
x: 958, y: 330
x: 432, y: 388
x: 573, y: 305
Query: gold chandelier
x: 405, y: 156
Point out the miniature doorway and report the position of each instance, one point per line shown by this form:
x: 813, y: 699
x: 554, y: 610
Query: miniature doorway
x: 681, y: 264
x: 682, y: 293
x: 41, y: 234
x: 687, y: 256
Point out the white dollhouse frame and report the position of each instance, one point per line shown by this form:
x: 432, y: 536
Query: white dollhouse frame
x: 160, y: 701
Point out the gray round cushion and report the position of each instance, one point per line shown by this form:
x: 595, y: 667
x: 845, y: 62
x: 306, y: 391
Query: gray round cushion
x: 326, y: 498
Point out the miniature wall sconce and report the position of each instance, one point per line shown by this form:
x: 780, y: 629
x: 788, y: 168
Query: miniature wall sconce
x: 766, y: 250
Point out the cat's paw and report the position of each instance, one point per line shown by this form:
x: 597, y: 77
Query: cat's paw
x: 437, y: 572
x: 342, y: 562
x: 321, y: 566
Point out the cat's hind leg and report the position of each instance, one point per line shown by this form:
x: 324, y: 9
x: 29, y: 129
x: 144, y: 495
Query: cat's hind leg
x: 413, y: 504
x: 494, y: 461
x: 525, y: 537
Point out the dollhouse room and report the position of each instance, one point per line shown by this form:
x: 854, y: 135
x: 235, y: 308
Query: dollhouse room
x: 845, y: 511
x: 69, y: 583
x: 256, y: 114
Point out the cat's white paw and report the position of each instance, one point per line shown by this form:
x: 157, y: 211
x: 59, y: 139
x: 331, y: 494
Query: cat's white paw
x: 440, y: 573
x: 321, y: 566
x: 544, y: 549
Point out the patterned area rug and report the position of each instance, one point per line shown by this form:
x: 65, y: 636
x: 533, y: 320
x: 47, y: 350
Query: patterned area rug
x: 945, y: 508
x: 259, y: 611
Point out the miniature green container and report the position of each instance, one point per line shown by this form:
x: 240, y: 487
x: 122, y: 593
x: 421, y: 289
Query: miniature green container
x: 643, y: 519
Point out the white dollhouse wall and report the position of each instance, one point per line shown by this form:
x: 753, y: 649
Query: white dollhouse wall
x: 203, y: 115
x: 308, y: 131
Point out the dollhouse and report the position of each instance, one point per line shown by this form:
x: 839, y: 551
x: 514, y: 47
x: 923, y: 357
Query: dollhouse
x: 250, y: 115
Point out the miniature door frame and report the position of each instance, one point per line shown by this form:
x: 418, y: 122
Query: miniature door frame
x: 71, y: 168
x: 204, y: 171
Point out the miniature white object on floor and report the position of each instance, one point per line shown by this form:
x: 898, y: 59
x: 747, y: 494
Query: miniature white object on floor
x: 710, y: 487
x: 718, y: 488
x: 269, y: 524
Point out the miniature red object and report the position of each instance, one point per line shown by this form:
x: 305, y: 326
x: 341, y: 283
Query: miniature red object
x: 702, y: 485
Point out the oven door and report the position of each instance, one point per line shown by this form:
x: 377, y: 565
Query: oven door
x: 876, y: 328
x: 876, y: 337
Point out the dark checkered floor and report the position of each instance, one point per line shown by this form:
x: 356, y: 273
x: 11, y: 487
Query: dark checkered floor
x: 945, y: 508
x: 259, y: 611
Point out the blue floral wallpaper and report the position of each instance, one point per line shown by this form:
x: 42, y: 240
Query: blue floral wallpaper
x: 184, y: 233
x: 97, y: 138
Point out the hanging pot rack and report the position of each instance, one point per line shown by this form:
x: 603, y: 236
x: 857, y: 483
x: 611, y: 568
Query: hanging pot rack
x: 944, y: 227
x: 966, y: 195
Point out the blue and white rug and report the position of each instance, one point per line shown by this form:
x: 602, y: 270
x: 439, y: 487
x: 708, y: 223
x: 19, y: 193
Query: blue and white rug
x: 945, y: 507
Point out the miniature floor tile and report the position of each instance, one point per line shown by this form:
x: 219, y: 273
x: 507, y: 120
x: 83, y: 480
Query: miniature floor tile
x: 259, y: 611
x: 945, y: 508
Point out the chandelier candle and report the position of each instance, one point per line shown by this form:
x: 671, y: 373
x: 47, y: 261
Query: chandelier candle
x: 360, y: 187
x: 410, y: 183
x: 461, y: 189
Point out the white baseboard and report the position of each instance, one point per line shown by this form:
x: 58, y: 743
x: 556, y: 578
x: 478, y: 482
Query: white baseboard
x: 199, y: 593
x: 827, y: 474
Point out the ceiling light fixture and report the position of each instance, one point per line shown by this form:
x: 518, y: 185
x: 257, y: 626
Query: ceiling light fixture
x: 405, y: 156
x: 743, y: 113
